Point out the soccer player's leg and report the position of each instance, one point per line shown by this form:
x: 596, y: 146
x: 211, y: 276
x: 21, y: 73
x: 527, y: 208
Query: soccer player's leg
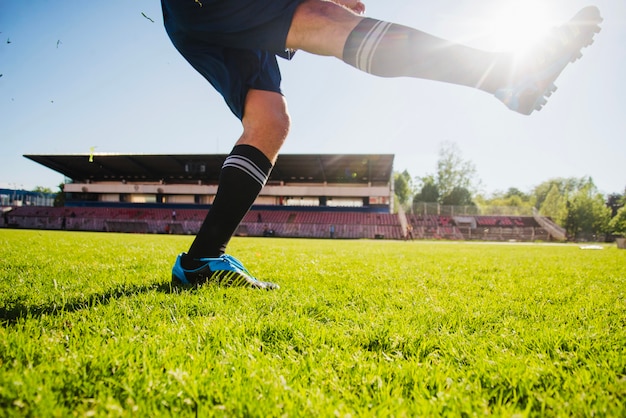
x: 390, y: 50
x: 243, y: 175
x: 249, y: 81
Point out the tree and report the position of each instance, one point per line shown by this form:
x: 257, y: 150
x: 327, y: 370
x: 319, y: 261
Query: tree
x: 429, y: 192
x: 41, y: 189
x: 402, y: 186
x: 515, y: 192
x: 615, y: 201
x: 513, y: 197
x: 554, y: 205
x: 587, y: 214
x: 452, y: 171
x: 617, y: 225
x: 565, y: 186
x: 459, y: 196
x: 454, y: 182
x: 59, y: 199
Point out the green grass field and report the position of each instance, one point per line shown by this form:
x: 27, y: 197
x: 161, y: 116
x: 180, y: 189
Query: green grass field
x: 91, y: 327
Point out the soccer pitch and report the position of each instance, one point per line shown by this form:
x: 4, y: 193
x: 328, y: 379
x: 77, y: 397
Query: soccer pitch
x: 91, y: 327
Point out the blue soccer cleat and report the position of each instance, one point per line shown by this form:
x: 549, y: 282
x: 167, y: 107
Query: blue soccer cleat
x: 529, y: 92
x: 224, y: 271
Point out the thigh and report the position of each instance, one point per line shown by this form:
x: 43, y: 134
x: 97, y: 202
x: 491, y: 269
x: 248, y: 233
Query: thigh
x: 322, y: 27
x: 232, y: 72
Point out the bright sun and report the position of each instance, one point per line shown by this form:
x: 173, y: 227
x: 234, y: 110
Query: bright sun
x: 515, y: 25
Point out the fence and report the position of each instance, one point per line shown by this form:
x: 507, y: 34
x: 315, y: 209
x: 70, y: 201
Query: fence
x: 425, y: 209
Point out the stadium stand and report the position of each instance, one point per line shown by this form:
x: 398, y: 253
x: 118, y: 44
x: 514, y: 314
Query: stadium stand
x: 309, y: 196
x: 292, y: 223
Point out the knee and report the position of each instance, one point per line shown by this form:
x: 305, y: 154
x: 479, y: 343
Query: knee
x: 280, y: 121
x: 266, y: 122
x: 272, y: 122
x: 265, y: 109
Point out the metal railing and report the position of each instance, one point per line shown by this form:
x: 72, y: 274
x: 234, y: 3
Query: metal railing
x: 423, y: 209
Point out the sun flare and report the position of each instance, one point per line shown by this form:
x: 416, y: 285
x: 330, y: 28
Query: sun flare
x: 517, y: 25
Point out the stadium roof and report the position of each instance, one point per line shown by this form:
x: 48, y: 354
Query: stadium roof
x: 298, y: 168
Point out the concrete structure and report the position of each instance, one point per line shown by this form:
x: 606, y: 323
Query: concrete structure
x: 332, y: 180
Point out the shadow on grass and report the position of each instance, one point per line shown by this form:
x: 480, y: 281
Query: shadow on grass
x: 14, y: 310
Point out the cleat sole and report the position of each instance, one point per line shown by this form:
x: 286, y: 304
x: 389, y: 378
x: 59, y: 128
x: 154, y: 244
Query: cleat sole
x: 531, y: 93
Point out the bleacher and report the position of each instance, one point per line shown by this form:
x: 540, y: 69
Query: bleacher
x: 434, y: 227
x: 506, y: 221
x: 317, y: 224
x: 283, y: 222
x: 139, y: 193
x: 506, y: 228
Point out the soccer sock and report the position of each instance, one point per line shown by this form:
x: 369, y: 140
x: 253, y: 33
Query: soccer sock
x: 390, y: 50
x: 243, y: 175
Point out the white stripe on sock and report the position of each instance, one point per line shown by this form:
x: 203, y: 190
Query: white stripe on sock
x: 247, y: 166
x: 365, y: 53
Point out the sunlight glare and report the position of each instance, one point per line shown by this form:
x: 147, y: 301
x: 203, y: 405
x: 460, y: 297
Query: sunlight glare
x: 516, y: 25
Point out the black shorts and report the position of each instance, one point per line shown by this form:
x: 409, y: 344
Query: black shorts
x: 232, y: 43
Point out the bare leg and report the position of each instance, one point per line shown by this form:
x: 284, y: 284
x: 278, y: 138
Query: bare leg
x: 321, y: 28
x: 265, y: 122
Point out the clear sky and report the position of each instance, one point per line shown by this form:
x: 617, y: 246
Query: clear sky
x: 81, y: 74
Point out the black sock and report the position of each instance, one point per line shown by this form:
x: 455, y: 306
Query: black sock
x: 391, y: 50
x: 243, y: 175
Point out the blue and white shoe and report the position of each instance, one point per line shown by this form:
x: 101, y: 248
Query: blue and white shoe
x: 225, y: 271
x: 563, y: 45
